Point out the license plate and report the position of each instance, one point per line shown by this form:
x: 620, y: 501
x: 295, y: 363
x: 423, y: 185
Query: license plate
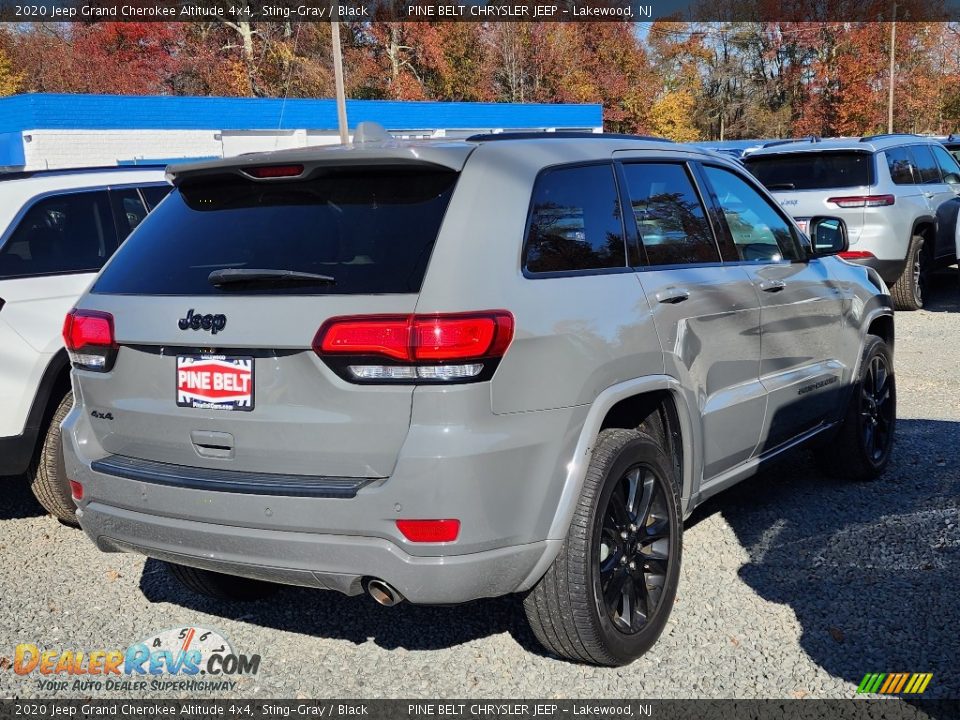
x: 215, y: 382
x: 804, y: 224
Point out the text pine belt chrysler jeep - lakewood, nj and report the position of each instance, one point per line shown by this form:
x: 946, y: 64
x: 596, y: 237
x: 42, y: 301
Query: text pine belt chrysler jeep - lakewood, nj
x: 440, y: 371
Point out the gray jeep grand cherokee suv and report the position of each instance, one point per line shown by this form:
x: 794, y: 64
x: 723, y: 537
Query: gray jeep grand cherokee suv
x: 442, y: 371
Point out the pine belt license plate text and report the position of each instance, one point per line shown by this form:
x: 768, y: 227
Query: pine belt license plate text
x: 215, y: 382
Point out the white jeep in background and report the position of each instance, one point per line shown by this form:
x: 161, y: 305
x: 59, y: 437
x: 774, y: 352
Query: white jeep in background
x: 57, y: 229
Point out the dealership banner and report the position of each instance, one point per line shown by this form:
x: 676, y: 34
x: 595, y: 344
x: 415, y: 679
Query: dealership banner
x: 484, y: 709
x: 476, y: 10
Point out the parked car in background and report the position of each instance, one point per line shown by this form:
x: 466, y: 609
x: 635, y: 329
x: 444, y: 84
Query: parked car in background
x: 897, y: 195
x: 57, y: 229
x: 453, y: 370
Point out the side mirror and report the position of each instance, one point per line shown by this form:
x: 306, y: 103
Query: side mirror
x: 828, y: 236
x: 952, y: 179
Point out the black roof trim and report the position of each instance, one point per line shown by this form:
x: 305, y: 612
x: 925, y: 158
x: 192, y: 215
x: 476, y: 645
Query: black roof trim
x: 23, y: 174
x: 563, y: 135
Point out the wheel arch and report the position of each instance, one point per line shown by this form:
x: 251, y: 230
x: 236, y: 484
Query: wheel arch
x: 54, y: 383
x: 656, y: 402
x: 926, y: 227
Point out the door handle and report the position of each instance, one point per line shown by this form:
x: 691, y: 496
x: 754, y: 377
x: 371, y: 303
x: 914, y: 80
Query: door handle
x: 772, y: 286
x: 672, y: 295
x: 928, y: 195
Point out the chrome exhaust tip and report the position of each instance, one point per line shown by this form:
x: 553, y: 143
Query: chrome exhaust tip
x: 384, y: 593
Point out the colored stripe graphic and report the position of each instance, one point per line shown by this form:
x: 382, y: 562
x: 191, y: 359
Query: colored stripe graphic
x: 894, y: 683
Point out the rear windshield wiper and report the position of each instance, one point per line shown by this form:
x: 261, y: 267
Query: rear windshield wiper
x: 248, y: 276
x: 781, y: 186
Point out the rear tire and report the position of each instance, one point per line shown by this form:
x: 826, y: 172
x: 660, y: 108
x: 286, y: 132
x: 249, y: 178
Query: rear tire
x: 219, y: 586
x: 909, y: 291
x: 607, y: 596
x: 47, y: 473
x: 861, y: 449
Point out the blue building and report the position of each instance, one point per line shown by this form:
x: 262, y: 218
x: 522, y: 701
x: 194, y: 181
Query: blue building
x: 53, y: 131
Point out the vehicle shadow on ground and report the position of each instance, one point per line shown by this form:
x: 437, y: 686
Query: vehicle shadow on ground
x: 869, y: 569
x: 357, y: 619
x: 16, y: 500
x: 944, y: 295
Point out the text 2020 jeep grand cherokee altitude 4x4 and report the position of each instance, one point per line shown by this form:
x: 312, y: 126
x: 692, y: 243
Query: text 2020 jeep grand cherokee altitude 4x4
x: 445, y: 371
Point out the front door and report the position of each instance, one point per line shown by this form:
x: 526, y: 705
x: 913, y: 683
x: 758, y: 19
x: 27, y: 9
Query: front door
x: 801, y: 310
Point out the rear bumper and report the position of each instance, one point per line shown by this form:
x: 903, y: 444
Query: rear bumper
x: 329, y: 562
x: 889, y: 270
x: 502, y: 476
x: 16, y: 451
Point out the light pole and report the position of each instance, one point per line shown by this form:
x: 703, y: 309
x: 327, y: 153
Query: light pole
x: 338, y: 75
x: 893, y: 57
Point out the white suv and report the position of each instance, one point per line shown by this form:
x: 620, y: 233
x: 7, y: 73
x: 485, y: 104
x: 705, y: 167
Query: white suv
x: 57, y: 229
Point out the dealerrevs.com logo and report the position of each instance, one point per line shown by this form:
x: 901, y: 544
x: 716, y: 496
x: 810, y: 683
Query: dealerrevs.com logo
x: 190, y: 659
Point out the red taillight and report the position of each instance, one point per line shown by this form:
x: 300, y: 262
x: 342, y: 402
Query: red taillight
x: 82, y: 328
x: 429, y: 348
x: 461, y: 337
x: 857, y: 255
x: 76, y: 490
x: 265, y: 172
x: 855, y: 201
x: 432, y: 531
x: 418, y: 337
x: 88, y: 336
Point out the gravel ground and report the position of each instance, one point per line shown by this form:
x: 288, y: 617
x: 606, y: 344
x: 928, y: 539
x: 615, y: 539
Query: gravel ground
x: 792, y: 586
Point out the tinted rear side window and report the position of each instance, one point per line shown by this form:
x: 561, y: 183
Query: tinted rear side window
x: 371, y: 229
x: 61, y: 234
x: 812, y: 170
x: 900, y: 162
x: 575, y: 221
x: 670, y: 219
x: 926, y: 164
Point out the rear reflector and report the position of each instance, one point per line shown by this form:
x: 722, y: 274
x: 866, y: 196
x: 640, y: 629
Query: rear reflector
x: 265, y: 172
x: 431, y: 531
x: 855, y: 201
x: 857, y: 255
x: 76, y: 490
x: 89, y: 339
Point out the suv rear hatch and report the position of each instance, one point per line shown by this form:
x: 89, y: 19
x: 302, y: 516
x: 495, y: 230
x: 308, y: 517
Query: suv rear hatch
x: 819, y: 182
x: 212, y: 362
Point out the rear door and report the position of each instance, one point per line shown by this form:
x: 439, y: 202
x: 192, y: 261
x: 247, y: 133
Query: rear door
x: 706, y: 313
x: 801, y: 310
x: 218, y: 374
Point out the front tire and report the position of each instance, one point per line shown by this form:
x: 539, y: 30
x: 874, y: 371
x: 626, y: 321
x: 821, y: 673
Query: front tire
x: 607, y: 596
x: 219, y: 586
x: 47, y: 473
x: 862, y: 447
x: 910, y: 290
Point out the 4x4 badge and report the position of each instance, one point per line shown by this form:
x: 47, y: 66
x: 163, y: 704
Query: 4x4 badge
x: 213, y: 323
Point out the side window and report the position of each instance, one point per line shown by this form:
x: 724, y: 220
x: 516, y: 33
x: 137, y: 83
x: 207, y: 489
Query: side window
x: 575, y: 222
x: 153, y: 194
x: 670, y: 219
x: 759, y: 232
x: 923, y: 158
x: 900, y: 162
x: 948, y: 165
x: 61, y: 234
x: 128, y: 210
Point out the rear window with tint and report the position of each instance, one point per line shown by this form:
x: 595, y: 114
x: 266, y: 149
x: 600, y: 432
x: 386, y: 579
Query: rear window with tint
x: 371, y: 229
x: 812, y: 170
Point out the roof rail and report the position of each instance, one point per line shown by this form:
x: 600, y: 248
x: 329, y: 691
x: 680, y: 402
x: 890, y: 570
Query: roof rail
x: 880, y: 136
x: 562, y: 134
x: 22, y: 174
x: 809, y: 138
